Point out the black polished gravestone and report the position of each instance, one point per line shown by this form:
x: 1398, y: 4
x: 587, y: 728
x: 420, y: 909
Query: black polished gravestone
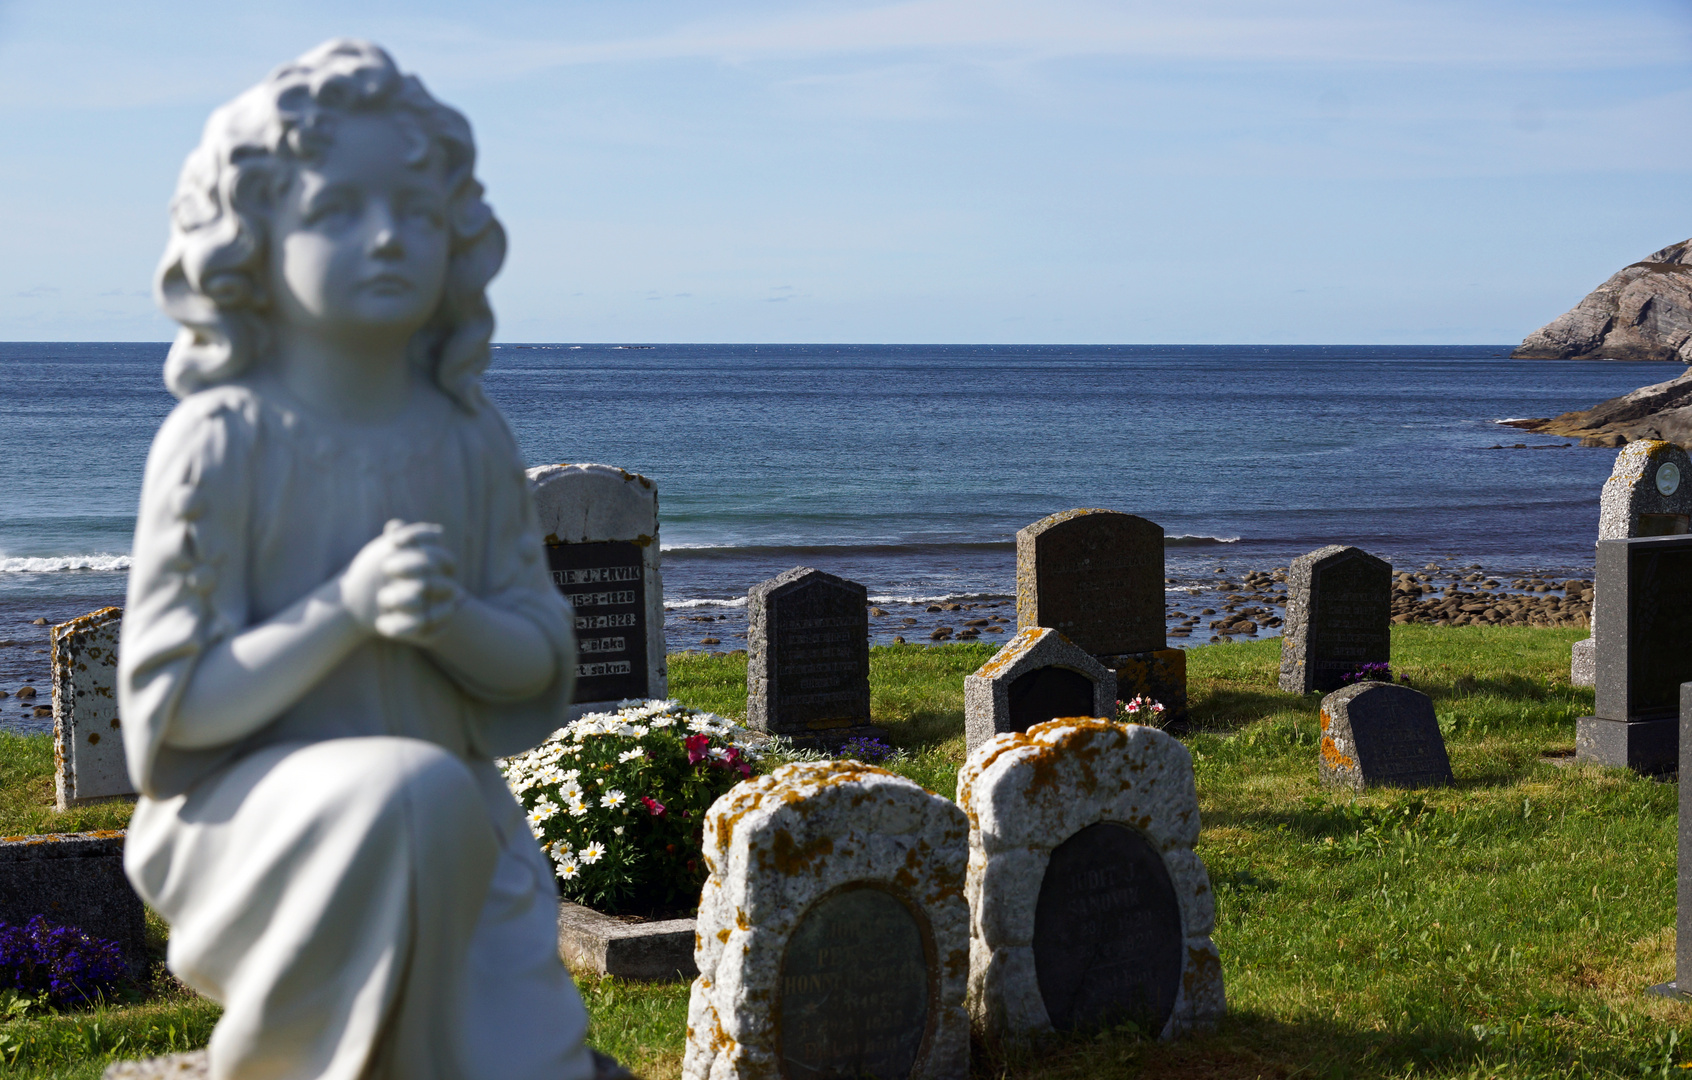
x: 1642, y: 651
x: 807, y: 658
x: 1683, y: 869
x: 1339, y: 617
x: 1048, y: 693
x: 1377, y: 734
x: 1107, y: 932
x: 606, y: 585
x: 857, y: 989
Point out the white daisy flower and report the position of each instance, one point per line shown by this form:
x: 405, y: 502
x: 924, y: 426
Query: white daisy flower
x: 612, y: 799
x: 568, y: 869
x: 578, y: 809
x: 630, y: 755
x: 593, y: 852
x: 618, y: 830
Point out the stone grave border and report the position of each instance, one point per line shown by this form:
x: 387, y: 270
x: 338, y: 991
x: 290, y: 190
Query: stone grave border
x: 656, y: 951
x: 987, y: 691
x: 775, y: 846
x: 1080, y: 772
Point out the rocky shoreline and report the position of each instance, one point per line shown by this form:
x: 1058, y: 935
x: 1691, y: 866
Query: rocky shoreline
x: 1643, y: 312
x: 1659, y: 411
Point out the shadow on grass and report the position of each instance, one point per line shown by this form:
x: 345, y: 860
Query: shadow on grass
x: 1226, y: 709
x: 1246, y: 1045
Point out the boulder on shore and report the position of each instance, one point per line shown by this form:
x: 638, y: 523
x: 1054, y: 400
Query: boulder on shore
x: 1659, y: 411
x: 1644, y: 312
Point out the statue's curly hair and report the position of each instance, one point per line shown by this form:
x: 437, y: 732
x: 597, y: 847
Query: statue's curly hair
x: 214, y: 277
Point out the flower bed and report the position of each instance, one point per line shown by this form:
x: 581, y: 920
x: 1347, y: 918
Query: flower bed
x: 618, y: 801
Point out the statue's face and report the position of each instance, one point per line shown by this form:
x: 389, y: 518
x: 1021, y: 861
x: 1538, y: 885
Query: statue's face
x: 359, y: 239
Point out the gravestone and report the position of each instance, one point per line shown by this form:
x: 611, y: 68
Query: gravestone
x: 1096, y: 576
x: 74, y: 879
x: 1089, y: 906
x: 1649, y: 493
x: 600, y: 525
x: 1642, y: 629
x: 833, y: 936
x: 807, y: 658
x: 1038, y: 675
x: 1377, y: 734
x: 87, y: 739
x: 1339, y: 617
x: 1681, y: 985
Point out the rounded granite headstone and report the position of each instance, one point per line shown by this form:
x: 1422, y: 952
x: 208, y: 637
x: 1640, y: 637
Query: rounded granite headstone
x: 855, y: 986
x: 1107, y: 932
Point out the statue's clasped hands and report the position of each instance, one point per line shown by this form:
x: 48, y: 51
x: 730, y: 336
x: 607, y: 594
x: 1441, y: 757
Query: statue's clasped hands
x: 403, y: 584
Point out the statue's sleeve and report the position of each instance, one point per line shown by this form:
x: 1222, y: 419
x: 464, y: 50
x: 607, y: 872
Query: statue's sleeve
x: 187, y: 579
x: 516, y: 580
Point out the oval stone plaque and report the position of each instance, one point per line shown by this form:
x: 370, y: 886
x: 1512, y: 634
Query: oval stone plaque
x: 1668, y: 478
x: 1107, y: 932
x: 854, y: 989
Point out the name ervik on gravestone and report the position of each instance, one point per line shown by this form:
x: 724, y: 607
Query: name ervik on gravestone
x: 1642, y: 632
x: 1339, y: 617
x: 807, y: 657
x: 601, y: 526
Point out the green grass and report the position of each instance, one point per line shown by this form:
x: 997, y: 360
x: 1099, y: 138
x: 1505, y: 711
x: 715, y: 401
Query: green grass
x: 1507, y: 926
x: 26, y: 793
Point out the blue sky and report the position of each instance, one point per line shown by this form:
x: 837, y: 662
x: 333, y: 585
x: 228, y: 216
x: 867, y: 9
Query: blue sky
x: 922, y: 171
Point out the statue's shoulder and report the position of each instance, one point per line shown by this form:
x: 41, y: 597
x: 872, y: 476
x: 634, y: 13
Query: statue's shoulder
x: 217, y: 422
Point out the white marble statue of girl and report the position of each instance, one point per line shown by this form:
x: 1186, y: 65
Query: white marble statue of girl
x: 338, y: 611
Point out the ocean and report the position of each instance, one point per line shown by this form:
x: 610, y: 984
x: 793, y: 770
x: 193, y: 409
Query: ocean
x: 910, y: 467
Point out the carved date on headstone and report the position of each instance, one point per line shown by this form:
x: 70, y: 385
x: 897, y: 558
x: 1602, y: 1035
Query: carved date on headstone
x: 605, y: 585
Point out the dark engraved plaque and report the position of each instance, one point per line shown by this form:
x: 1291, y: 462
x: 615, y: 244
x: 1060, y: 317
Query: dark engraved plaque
x: 1107, y: 932
x: 1048, y: 693
x: 1096, y: 576
x: 1397, y: 737
x: 1350, y: 619
x: 856, y: 984
x: 606, y: 585
x: 1659, y: 629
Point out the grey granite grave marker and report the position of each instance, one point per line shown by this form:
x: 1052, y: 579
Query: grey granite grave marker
x: 833, y: 936
x: 1088, y: 905
x: 1039, y: 675
x: 600, y: 525
x: 74, y: 879
x: 1339, y: 617
x: 1096, y: 576
x: 1642, y: 627
x: 88, y: 756
x: 1378, y: 734
x: 807, y: 658
x: 1649, y: 493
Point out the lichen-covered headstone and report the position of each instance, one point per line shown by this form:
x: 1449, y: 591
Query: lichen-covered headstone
x: 1642, y: 627
x: 1039, y: 675
x: 1649, y: 493
x: 1339, y: 617
x: 833, y: 936
x: 600, y: 524
x: 1377, y: 734
x: 88, y: 756
x: 1089, y: 906
x: 807, y: 658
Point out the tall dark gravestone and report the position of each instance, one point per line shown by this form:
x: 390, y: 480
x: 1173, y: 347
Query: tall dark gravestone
x: 1649, y: 493
x: 1681, y: 986
x: 1096, y: 577
x: 1642, y: 633
x: 601, y: 532
x: 1339, y: 617
x: 1039, y: 675
x: 1376, y: 734
x: 807, y: 658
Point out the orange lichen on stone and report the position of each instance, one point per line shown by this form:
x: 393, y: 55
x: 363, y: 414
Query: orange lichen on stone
x: 791, y: 858
x: 741, y: 920
x: 1332, y: 755
x: 1324, y: 720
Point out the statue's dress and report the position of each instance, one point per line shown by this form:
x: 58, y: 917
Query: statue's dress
x: 353, y: 881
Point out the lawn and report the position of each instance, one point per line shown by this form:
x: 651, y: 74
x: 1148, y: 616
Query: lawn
x: 1506, y: 926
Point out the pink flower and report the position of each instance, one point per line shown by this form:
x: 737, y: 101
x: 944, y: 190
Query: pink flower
x: 653, y: 805
x: 696, y: 747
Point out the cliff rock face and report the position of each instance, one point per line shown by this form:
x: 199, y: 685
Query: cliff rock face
x: 1644, y: 312
x: 1659, y: 411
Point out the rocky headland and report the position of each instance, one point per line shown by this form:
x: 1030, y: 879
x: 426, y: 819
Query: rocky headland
x: 1659, y: 411
x: 1643, y: 312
